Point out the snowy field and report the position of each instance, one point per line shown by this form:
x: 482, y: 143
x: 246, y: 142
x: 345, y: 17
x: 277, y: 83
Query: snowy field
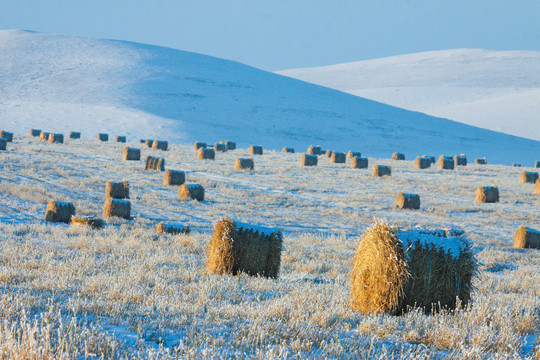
x: 127, y: 292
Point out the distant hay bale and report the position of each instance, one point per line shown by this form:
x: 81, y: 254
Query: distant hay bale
x: 241, y: 248
x: 162, y: 228
x: 352, y: 154
x: 328, y: 154
x: 74, y: 135
x: 117, y: 190
x: 59, y: 211
x: 120, y: 139
x: 408, y: 201
x: 154, y: 163
x: 44, y: 136
x: 230, y: 145
x: 338, y: 158
x: 527, y: 238
x: 35, y: 132
x: 191, y: 192
x: 398, y: 156
x: 103, y: 137
x: 117, y: 207
x: 422, y: 163
x: 198, y: 145
x: 308, y: 160
x: 287, y: 150
x: 528, y: 177
x: 359, y: 162
x: 132, y: 154
x: 431, y: 158
x: 149, y: 143
x: 314, y: 150
x: 516, y: 165
x: 174, y: 177
x: 56, y: 138
x: 482, y: 161
x: 487, y: 194
x: 160, y: 145
x: 256, y: 150
x: 6, y: 135
x: 382, y: 170
x: 460, y: 160
x: 206, y: 153
x: 3, y: 144
x: 90, y: 221
x: 243, y: 163
x: 445, y: 162
x: 395, y: 270
x: 537, y: 187
x: 537, y: 164
x: 220, y: 147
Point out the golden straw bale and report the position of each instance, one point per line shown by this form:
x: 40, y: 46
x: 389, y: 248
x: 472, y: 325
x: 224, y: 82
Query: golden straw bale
x: 154, y: 163
x: 220, y: 147
x: 431, y: 158
x: 256, y: 150
x: 408, y: 201
x: 395, y: 270
x: 56, y: 138
x: 241, y: 248
x: 191, y: 192
x: 482, y: 161
x: 398, y: 156
x: 287, y: 150
x: 528, y: 177
x: 132, y: 154
x: 44, y: 136
x: 516, y: 165
x: 242, y: 163
x: 382, y: 170
x: 160, y: 145
x: 6, y: 135
x: 422, y: 163
x: 352, y: 154
x: 487, y: 194
x: 117, y: 190
x: 172, y: 229
x: 460, y: 160
x: 120, y: 139
x: 149, y: 143
x: 445, y: 162
x: 3, y: 144
x: 206, y: 153
x: 359, y: 162
x: 527, y: 238
x: 308, y: 160
x: 338, y: 158
x: 92, y: 221
x: 314, y: 150
x: 74, y: 135
x: 537, y: 187
x: 117, y: 207
x: 35, y: 132
x: 174, y: 177
x: 103, y: 137
x: 230, y: 145
x: 59, y: 211
x: 198, y: 145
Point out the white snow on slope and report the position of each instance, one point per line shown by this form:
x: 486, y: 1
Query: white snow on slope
x: 497, y: 90
x: 62, y: 83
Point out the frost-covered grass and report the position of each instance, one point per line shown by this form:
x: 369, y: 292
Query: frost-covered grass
x: 124, y: 291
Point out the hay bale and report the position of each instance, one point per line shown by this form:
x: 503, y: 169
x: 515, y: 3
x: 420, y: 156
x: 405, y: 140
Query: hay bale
x: 487, y: 194
x: 256, y: 150
x: 154, y: 163
x: 230, y: 145
x: 191, y: 192
x: 3, y: 144
x: 422, y: 163
x: 460, y: 160
x: 359, y: 162
x: 287, y: 150
x: 91, y: 221
x: 516, y: 165
x: 241, y: 248
x: 537, y: 164
x: 174, y: 177
x: 314, y: 150
x: 56, y: 138
x: 527, y: 238
x: 117, y: 207
x: 160, y: 145
x: 59, y: 211
x: 308, y: 160
x: 162, y: 228
x: 35, y: 132
x: 482, y: 161
x: 445, y: 162
x: 352, y: 154
x: 132, y: 154
x: 44, y: 136
x: 242, y: 163
x: 74, y: 135
x: 149, y: 143
x: 220, y: 147
x: 537, y: 187
x: 528, y: 177
x: 117, y: 190
x: 206, y: 153
x: 120, y: 139
x: 431, y: 158
x: 408, y: 201
x: 103, y: 137
x: 338, y: 158
x: 382, y: 170
x: 6, y: 135
x: 398, y: 156
x: 198, y: 145
x: 395, y: 270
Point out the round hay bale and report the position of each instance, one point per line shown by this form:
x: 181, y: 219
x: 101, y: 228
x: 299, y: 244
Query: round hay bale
x: 398, y: 156
x: 174, y: 177
x: 445, y: 162
x: 120, y: 139
x: 59, y: 211
x: 56, y: 138
x: 206, y: 154
x: 160, y: 145
x: 242, y: 164
x: 35, y: 132
x: 191, y: 192
x: 3, y: 144
x: 149, y: 143
x: 74, y: 135
x: 487, y: 194
x: 308, y: 160
x: 287, y: 150
x: 422, y: 163
x: 44, y: 136
x: 338, y: 158
x: 537, y: 187
x: 220, y: 147
x: 6, y: 135
x: 103, y: 137
x: 381, y: 170
x: 528, y: 177
x: 408, y: 201
x: 431, y: 158
x: 460, y: 160
x: 359, y: 162
x: 117, y: 190
x: 230, y: 145
x: 527, y: 238
x: 352, y: 154
x: 154, y: 163
x: 256, y: 150
x: 198, y: 145
x: 90, y: 221
x: 241, y: 248
x: 482, y: 161
x: 117, y: 207
x: 132, y: 154
x: 314, y: 150
x: 395, y: 270
x: 172, y: 229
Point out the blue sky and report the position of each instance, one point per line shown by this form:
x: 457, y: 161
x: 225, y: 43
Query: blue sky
x: 277, y: 34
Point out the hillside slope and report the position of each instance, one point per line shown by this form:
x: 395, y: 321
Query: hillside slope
x: 63, y: 83
x: 497, y: 90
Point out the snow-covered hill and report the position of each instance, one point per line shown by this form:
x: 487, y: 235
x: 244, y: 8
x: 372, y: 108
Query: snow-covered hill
x: 63, y: 83
x: 496, y: 90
